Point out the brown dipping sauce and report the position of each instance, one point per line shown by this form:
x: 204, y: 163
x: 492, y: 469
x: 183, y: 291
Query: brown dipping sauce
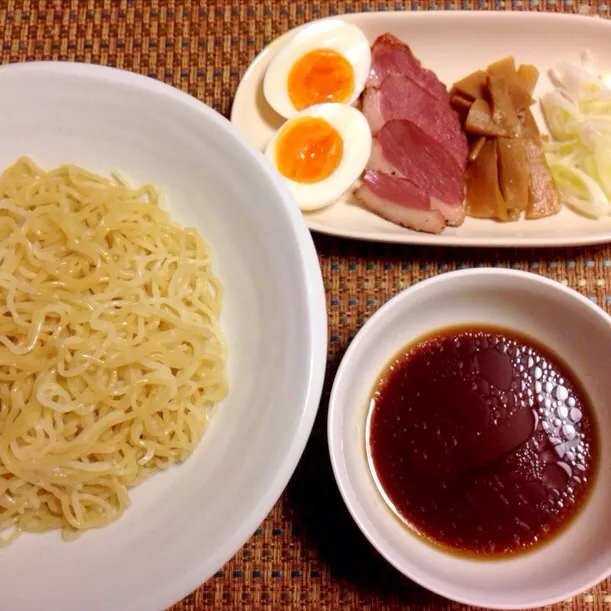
x: 483, y: 440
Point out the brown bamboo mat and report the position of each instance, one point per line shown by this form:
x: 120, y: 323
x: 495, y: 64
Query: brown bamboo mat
x: 307, y: 554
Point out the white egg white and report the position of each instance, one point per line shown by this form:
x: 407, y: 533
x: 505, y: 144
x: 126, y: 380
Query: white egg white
x: 354, y: 130
x: 339, y: 36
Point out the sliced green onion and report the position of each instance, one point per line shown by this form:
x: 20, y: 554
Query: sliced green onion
x: 578, y: 115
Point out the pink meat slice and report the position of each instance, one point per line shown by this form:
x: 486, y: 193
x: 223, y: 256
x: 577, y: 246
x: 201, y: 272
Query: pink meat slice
x: 377, y: 160
x: 399, y: 201
x: 454, y: 215
x: 389, y: 56
x: 400, y: 97
x: 404, y: 149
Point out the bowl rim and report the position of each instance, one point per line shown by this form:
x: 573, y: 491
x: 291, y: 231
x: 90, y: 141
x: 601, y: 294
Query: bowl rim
x: 336, y: 448
x: 165, y: 593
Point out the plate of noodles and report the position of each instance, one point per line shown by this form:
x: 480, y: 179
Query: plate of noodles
x: 162, y: 339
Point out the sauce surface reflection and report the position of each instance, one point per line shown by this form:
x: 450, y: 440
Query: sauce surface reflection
x: 482, y: 440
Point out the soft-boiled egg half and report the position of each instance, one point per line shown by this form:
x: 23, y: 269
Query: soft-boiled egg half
x: 321, y: 153
x: 327, y: 61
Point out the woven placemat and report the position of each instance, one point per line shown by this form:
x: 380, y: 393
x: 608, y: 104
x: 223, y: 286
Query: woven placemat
x: 308, y: 554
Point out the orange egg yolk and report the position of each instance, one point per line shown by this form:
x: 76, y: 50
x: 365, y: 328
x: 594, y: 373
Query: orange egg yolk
x: 308, y: 150
x: 322, y: 75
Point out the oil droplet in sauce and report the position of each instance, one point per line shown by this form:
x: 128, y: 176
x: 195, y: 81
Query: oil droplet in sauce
x: 482, y: 440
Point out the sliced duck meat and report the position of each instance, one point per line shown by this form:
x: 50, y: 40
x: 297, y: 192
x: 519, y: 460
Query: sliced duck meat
x: 377, y: 160
x: 404, y: 149
x: 400, y: 97
x: 415, y: 175
x: 391, y: 56
x: 373, y: 107
x: 399, y: 201
x: 453, y: 215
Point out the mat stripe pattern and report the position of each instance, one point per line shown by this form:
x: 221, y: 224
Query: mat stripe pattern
x: 307, y: 554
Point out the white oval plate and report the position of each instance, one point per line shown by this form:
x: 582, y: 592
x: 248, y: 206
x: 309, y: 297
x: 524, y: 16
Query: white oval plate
x: 453, y: 44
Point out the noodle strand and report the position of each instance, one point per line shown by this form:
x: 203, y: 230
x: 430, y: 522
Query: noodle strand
x: 111, y: 353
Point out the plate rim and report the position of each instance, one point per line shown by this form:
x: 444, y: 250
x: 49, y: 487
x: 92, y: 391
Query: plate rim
x: 415, y: 238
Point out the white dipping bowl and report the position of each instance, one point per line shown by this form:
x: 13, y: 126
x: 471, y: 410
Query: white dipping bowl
x: 557, y: 316
x: 183, y: 524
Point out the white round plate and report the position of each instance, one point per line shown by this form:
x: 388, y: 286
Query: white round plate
x: 560, y: 318
x: 183, y: 524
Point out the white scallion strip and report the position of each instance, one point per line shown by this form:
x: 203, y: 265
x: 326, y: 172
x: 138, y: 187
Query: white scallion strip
x: 602, y: 161
x: 579, y: 190
x: 578, y: 115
